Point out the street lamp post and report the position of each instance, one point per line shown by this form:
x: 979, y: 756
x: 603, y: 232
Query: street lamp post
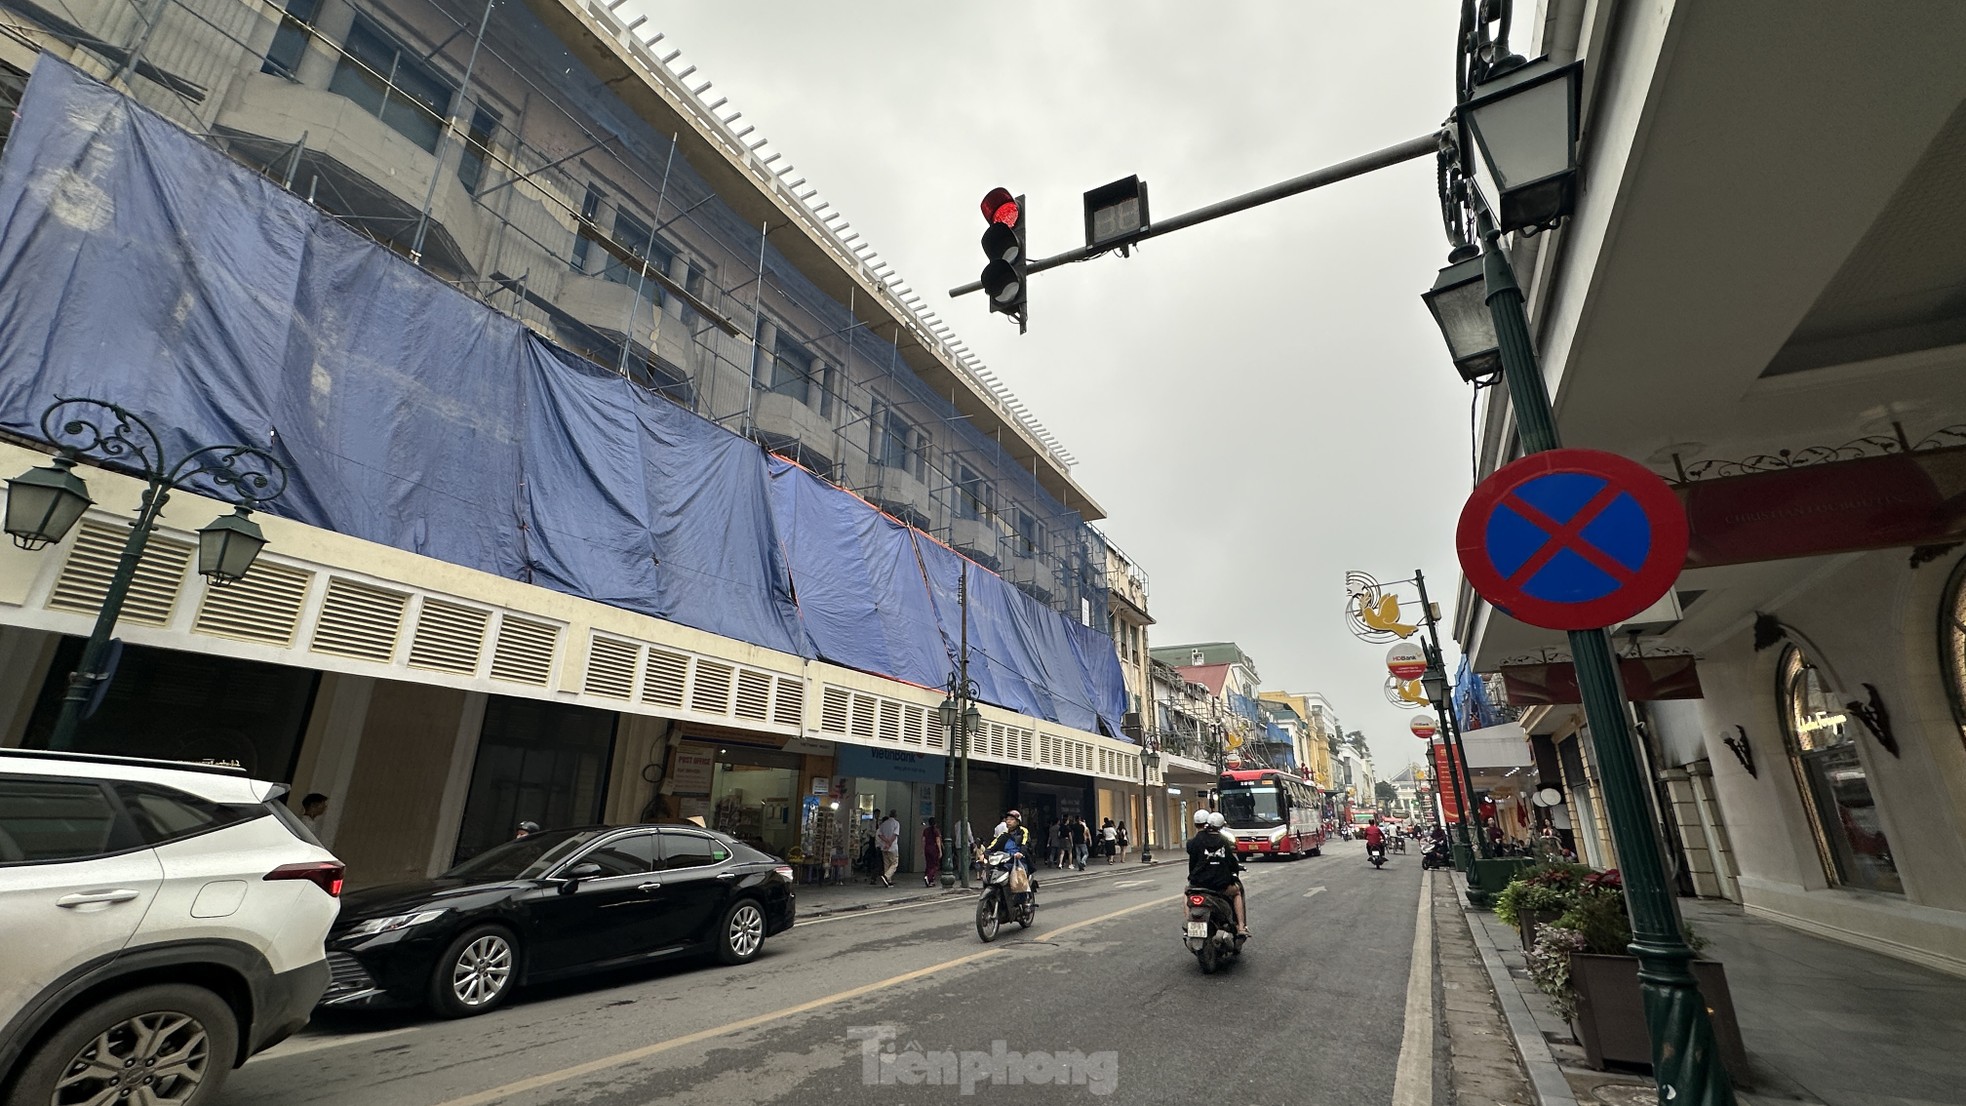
x: 1149, y: 762
x: 1438, y: 692
x: 960, y: 719
x: 1524, y: 177
x: 44, y: 503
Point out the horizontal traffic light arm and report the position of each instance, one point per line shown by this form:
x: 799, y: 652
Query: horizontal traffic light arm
x: 1424, y: 146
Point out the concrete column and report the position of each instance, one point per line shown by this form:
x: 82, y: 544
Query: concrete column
x: 761, y: 362
x: 25, y: 657
x: 457, y: 781
x: 331, y: 26
x: 331, y: 744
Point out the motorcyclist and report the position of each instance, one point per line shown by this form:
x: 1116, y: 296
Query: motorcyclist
x: 1212, y: 863
x: 1014, y: 839
x: 1375, y: 838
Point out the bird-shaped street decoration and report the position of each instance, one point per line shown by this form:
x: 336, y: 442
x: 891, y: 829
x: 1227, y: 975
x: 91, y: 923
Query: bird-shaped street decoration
x: 1383, y: 617
x: 1410, y: 691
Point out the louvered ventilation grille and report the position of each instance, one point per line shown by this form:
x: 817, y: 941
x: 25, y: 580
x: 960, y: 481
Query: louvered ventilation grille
x: 863, y: 716
x: 265, y: 606
x: 1023, y: 747
x: 834, y: 707
x: 753, y: 696
x: 448, y: 637
x: 92, y: 563
x: 790, y: 707
x: 711, y: 691
x: 359, y: 621
x: 890, y: 720
x: 668, y: 674
x: 996, y: 740
x: 911, y: 723
x: 611, y: 667
x: 524, y: 651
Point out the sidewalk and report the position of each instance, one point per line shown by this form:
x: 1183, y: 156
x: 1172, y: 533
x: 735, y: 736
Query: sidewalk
x: 1824, y: 1022
x: 822, y: 900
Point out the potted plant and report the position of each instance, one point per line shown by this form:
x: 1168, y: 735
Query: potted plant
x: 1579, y: 961
x: 1539, y: 895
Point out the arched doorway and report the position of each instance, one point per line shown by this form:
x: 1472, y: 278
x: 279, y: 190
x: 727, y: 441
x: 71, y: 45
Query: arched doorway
x: 1821, y: 740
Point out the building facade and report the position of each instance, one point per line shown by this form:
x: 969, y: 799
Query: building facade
x: 1801, y: 693
x: 555, y: 170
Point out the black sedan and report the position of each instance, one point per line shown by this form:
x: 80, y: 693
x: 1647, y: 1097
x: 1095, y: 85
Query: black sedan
x: 555, y: 904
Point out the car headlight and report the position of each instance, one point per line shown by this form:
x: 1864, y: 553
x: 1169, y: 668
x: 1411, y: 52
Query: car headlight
x: 390, y: 924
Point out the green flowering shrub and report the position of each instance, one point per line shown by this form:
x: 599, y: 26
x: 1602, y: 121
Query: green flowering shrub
x: 1540, y: 889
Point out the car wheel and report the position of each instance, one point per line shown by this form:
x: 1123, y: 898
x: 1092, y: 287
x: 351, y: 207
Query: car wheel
x: 742, y: 932
x: 476, y: 974
x: 168, y: 1043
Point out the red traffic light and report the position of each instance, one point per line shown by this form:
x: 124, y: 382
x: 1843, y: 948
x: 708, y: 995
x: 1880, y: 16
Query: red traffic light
x: 999, y: 206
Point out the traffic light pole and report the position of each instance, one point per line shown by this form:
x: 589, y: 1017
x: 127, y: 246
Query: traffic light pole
x: 1411, y: 150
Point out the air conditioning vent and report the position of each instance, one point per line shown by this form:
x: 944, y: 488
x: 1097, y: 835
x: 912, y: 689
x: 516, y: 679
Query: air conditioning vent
x: 523, y: 653
x: 834, y: 708
x: 611, y: 665
x: 753, y: 696
x: 710, y: 693
x: 789, y: 709
x: 449, y: 637
x: 263, y: 607
x: 668, y: 674
x: 864, y: 707
x: 359, y: 621
x: 91, y: 565
x: 912, y: 718
x: 890, y: 721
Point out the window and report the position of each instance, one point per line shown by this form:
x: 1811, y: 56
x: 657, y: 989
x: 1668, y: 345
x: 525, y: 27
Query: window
x: 623, y: 856
x: 1030, y: 537
x: 972, y: 494
x: 689, y: 850
x: 664, y: 379
x: 165, y: 814
x: 43, y: 819
x: 477, y: 148
x: 634, y: 236
x: 537, y: 761
x: 792, y: 368
x: 1835, y: 787
x: 897, y: 444
x: 583, y: 236
x: 290, y: 40
x: 392, y: 84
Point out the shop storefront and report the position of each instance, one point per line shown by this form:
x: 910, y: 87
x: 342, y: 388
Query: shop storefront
x: 1045, y: 797
x: 537, y: 762
x: 896, y: 781
x: 752, y: 792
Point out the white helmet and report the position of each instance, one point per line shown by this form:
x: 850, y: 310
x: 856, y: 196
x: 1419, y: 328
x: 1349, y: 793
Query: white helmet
x: 1216, y: 821
x: 1201, y: 817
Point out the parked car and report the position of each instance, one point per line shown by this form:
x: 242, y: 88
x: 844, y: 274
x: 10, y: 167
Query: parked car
x: 553, y: 904
x: 161, y: 922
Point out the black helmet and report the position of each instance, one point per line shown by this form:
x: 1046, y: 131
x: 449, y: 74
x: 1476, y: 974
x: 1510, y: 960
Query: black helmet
x: 528, y: 827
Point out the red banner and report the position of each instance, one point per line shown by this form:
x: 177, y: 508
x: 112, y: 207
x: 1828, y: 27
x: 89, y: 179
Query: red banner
x: 1646, y: 680
x: 1446, y: 775
x: 1903, y: 499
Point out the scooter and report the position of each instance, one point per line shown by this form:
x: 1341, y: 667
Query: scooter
x: 1436, y: 856
x: 1211, y: 930
x: 1376, y: 854
x: 997, y: 905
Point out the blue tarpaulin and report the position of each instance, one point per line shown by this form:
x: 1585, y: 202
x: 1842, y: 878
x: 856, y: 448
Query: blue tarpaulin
x: 141, y: 266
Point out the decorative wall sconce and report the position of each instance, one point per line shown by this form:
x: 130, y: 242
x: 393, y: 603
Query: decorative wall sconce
x: 1767, y: 631
x: 1875, y: 719
x: 1743, y: 752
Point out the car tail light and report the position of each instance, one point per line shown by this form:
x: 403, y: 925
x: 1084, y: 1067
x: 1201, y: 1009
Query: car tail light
x: 1197, y: 900
x: 325, y: 874
x: 784, y: 870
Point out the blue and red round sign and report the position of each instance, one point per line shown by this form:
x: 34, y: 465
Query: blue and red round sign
x: 1572, y: 539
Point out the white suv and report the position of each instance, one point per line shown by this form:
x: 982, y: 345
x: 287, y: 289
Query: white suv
x: 162, y: 922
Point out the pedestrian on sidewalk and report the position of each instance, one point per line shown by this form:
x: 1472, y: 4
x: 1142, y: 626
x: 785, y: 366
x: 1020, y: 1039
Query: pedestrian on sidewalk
x: 1081, y: 840
x: 1124, y: 843
x: 931, y: 852
x: 1059, y: 841
x: 889, y: 839
x: 313, y: 811
x: 1109, y: 839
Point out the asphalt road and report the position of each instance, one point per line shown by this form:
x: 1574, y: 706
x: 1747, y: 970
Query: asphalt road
x: 1098, y: 1001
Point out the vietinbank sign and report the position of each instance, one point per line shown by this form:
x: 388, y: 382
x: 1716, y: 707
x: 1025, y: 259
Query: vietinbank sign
x: 887, y: 764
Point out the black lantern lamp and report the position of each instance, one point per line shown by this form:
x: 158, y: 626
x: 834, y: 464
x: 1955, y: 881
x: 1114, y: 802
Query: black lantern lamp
x: 1459, y: 303
x: 227, y: 548
x: 1435, y: 681
x: 43, y: 503
x: 1520, y: 126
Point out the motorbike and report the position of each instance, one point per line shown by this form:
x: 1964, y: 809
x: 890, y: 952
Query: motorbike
x: 1399, y: 844
x: 998, y: 904
x: 1436, y: 856
x: 1376, y: 854
x: 1211, y: 930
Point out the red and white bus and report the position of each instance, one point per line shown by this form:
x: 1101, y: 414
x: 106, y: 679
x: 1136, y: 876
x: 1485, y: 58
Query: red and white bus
x: 1271, y: 813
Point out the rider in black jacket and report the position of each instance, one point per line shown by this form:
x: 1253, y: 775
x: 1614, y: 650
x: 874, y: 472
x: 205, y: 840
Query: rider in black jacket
x: 1212, y: 864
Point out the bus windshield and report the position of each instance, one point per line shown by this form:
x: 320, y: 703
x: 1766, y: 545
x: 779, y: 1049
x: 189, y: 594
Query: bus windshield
x: 1252, y: 807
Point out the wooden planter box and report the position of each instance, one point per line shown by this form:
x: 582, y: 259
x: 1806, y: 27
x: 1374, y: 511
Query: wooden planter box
x: 1611, y: 1013
x: 1529, y: 923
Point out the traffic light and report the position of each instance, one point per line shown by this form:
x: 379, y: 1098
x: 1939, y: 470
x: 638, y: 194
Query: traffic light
x: 1005, y: 256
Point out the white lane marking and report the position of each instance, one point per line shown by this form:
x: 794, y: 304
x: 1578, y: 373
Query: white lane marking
x: 296, y: 1047
x: 1314, y: 891
x: 1126, y: 883
x: 1413, y: 1079
x: 845, y: 915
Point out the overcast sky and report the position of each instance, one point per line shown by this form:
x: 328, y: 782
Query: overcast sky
x: 1259, y: 403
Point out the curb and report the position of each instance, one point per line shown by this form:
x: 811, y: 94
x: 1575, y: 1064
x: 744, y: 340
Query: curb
x: 928, y: 895
x: 1545, y: 1077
